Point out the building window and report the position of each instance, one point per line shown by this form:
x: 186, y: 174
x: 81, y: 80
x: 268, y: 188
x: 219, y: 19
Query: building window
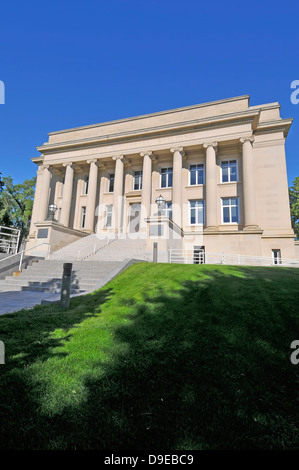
x: 196, y: 211
x: 111, y: 183
x: 83, y: 217
x: 167, y: 210
x: 137, y: 182
x: 166, y: 177
x: 276, y: 255
x: 197, y: 174
x: 228, y: 171
x: 86, y: 181
x: 230, y: 210
x: 108, y: 221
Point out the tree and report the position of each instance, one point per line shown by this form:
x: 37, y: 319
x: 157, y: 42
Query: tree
x: 16, y: 202
x: 294, y: 205
x: 4, y: 214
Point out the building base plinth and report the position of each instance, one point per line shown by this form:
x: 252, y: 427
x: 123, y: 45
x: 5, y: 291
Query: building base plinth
x: 50, y: 236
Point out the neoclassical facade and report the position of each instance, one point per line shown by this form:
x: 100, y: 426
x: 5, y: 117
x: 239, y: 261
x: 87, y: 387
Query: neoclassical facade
x: 220, y: 168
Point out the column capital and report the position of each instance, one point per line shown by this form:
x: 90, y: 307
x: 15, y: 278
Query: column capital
x: 249, y: 138
x: 43, y: 167
x: 178, y: 149
x: 117, y: 157
x: 71, y: 164
x: 206, y: 145
x: 92, y: 160
x: 148, y: 153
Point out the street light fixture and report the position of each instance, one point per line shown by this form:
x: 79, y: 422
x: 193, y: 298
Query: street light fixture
x: 52, y: 210
x: 160, y: 201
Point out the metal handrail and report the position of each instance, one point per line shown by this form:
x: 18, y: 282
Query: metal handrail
x: 24, y: 251
x: 84, y: 247
x: 11, y: 236
x: 119, y: 231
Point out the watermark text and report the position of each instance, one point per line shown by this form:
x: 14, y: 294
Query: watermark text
x: 2, y: 92
x: 295, y: 94
x: 295, y: 355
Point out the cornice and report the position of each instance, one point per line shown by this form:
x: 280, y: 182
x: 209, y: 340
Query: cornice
x: 267, y: 127
x: 159, y: 113
x: 225, y: 120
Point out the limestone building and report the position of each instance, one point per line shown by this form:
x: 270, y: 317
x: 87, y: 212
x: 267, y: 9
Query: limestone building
x: 220, y: 168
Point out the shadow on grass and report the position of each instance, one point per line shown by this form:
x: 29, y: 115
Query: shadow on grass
x: 205, y: 366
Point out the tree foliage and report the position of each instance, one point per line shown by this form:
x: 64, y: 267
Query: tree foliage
x: 294, y: 205
x: 16, y: 202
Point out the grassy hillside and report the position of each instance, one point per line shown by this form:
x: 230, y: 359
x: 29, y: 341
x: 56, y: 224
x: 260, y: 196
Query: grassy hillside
x: 163, y: 357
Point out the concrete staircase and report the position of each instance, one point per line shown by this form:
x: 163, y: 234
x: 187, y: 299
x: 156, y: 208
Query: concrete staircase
x: 94, y: 248
x: 123, y: 248
x: 45, y: 276
x: 80, y: 249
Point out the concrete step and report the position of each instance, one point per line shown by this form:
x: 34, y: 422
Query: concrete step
x: 46, y: 273
x: 43, y: 288
x: 53, y: 290
x: 85, y: 265
x: 48, y: 283
x: 48, y: 278
x: 59, y: 269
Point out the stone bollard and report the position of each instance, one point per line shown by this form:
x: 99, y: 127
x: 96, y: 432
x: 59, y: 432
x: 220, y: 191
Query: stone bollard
x: 155, y: 252
x: 66, y: 285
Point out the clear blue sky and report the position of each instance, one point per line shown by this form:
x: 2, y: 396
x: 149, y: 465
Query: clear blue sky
x: 68, y: 63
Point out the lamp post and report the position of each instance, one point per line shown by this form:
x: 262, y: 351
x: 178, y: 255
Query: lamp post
x: 160, y: 201
x: 52, y: 210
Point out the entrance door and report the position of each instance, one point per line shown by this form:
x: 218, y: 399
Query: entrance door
x: 276, y: 255
x: 134, y: 218
x: 199, y: 255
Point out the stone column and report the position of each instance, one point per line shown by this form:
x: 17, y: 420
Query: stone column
x: 91, y: 195
x: 44, y: 194
x: 211, y: 186
x: 250, y: 222
x: 37, y: 197
x: 178, y: 154
x: 67, y: 193
x: 118, y: 191
x: 146, y: 188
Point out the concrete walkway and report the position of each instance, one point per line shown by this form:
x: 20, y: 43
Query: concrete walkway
x: 13, y: 301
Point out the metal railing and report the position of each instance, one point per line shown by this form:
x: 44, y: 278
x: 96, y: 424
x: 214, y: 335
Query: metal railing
x: 94, y: 245
x: 21, y: 253
x: 9, y: 239
x: 200, y: 257
x: 84, y: 248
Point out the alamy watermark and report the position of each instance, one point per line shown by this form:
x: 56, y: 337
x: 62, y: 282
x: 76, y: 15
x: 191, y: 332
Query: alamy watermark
x: 2, y: 92
x: 295, y: 355
x: 2, y: 353
x: 295, y: 94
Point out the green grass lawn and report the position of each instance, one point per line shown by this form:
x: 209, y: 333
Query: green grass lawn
x: 165, y: 356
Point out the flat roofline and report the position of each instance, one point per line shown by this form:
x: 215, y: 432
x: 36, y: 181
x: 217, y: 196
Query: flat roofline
x: 159, y: 113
